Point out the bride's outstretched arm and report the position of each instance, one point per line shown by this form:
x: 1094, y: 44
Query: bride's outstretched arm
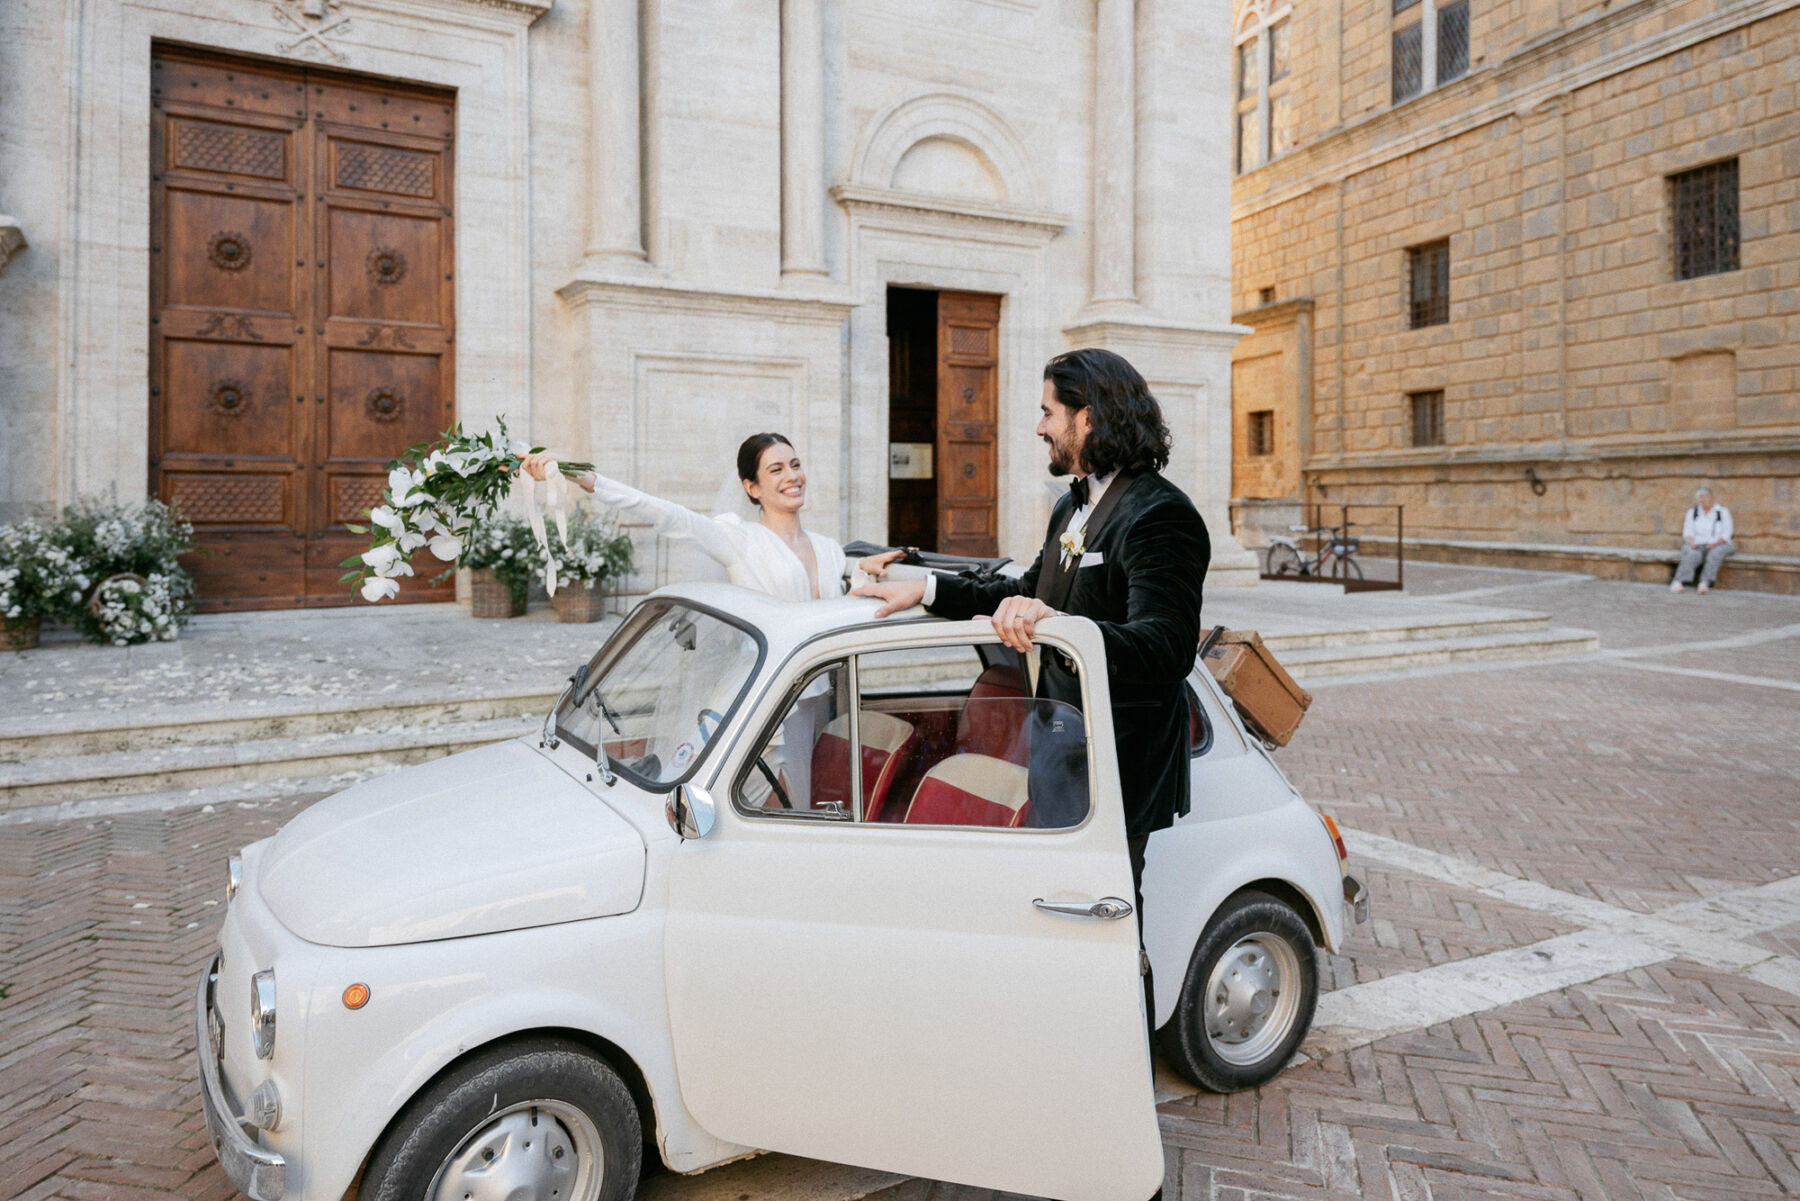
x: 666, y: 517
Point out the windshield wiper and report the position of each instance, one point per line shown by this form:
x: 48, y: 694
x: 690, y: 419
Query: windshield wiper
x: 547, y: 734
x: 602, y: 760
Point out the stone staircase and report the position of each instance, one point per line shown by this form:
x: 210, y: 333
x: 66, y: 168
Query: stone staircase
x: 1427, y: 643
x: 186, y: 754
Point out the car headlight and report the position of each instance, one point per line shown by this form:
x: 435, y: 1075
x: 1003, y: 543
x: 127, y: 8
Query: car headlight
x: 262, y: 1012
x: 234, y: 875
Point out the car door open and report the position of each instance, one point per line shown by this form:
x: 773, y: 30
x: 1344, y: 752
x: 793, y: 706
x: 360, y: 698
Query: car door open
x: 934, y: 969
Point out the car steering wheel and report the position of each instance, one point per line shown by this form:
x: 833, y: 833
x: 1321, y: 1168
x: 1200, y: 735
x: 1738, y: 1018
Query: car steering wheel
x: 762, y: 765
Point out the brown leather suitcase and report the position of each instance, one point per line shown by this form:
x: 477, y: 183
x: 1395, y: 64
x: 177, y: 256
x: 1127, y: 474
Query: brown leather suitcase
x: 1265, y: 695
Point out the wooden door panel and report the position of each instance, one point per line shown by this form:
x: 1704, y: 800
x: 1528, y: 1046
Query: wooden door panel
x: 229, y: 252
x: 228, y: 399
x: 376, y: 400
x: 301, y: 310
x: 386, y: 267
x: 968, y: 471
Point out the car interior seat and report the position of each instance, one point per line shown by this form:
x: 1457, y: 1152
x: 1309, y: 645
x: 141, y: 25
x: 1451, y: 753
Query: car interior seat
x: 886, y: 743
x: 971, y: 790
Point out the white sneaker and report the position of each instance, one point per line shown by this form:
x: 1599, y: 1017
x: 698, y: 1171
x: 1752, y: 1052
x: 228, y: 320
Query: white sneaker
x: 1704, y: 589
x: 1674, y: 585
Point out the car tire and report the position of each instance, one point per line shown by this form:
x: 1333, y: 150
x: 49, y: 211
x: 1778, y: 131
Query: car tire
x: 1248, y: 998
x: 541, y: 1118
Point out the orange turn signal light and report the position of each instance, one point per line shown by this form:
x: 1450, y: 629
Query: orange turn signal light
x: 1337, y: 839
x: 356, y: 996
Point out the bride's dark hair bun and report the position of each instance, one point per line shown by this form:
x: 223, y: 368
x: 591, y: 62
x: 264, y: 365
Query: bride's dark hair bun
x: 750, y: 453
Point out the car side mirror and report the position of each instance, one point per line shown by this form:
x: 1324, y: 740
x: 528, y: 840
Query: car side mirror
x: 690, y: 811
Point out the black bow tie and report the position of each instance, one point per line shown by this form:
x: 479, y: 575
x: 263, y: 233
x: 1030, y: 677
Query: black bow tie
x: 1079, y: 490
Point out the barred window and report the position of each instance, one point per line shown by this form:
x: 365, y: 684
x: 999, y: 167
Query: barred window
x: 1260, y: 435
x: 1452, y: 41
x: 1409, y: 76
x: 1431, y: 51
x: 1428, y: 284
x: 1706, y: 220
x: 1426, y: 411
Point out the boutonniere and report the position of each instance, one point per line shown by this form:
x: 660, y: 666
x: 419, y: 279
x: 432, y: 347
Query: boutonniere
x: 1073, y: 547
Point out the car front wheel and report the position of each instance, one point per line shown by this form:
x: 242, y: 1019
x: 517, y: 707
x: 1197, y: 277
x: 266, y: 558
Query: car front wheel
x: 1248, y: 997
x: 541, y: 1121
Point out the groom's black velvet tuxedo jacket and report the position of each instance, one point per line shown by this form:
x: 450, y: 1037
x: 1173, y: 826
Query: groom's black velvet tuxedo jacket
x: 1145, y: 596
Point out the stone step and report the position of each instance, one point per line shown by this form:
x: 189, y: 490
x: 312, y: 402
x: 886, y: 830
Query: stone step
x: 1404, y: 630
x: 45, y: 737
x: 1315, y: 662
x: 53, y: 779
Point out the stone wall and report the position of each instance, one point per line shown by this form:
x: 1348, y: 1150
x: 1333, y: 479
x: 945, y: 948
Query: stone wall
x: 1587, y: 392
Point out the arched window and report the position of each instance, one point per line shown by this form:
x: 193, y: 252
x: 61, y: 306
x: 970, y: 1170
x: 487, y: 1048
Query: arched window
x: 1266, y: 104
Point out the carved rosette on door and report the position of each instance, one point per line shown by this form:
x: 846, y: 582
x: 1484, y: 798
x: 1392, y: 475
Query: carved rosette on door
x: 301, y: 246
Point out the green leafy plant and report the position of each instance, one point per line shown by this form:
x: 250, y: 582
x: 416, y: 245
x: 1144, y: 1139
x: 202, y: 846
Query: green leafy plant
x: 596, y: 549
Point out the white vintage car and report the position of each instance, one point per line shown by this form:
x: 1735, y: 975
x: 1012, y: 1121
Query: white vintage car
x: 687, y: 921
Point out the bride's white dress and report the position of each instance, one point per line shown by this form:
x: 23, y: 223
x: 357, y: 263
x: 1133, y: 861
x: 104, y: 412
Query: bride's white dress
x: 752, y: 555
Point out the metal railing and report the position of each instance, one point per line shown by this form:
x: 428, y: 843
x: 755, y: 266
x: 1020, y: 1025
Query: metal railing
x: 1359, y: 546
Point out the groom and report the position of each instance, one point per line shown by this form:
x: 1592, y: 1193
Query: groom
x: 1126, y: 548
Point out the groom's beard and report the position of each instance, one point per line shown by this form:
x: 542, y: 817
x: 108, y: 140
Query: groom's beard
x: 1063, y: 459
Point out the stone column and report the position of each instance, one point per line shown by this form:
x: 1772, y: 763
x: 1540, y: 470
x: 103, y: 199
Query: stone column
x: 1115, y: 152
x: 615, y: 179
x: 802, y: 139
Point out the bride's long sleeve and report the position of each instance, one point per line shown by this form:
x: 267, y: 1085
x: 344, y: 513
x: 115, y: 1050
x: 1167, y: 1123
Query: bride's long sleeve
x: 711, y: 535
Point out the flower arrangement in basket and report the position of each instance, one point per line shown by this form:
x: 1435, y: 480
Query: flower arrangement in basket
x: 504, y: 556
x: 597, y: 552
x: 438, y: 494
x: 109, y: 570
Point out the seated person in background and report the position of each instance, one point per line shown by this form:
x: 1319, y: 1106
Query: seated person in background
x: 1706, y: 533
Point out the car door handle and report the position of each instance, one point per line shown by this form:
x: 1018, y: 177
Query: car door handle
x: 1110, y: 908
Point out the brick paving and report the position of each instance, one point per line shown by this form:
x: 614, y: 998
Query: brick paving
x: 1672, y: 1081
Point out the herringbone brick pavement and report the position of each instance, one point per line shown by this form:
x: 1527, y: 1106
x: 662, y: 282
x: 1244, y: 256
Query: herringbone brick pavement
x: 1639, y: 789
x: 104, y: 927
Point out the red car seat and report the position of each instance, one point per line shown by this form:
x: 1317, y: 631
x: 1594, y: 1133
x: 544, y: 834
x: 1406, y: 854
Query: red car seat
x: 993, y: 722
x: 886, y: 741
x: 970, y: 790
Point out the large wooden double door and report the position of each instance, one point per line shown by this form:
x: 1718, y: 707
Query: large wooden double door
x: 302, y: 314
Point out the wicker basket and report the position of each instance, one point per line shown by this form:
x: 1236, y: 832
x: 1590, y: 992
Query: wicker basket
x: 580, y: 600
x: 489, y: 598
x: 20, y: 635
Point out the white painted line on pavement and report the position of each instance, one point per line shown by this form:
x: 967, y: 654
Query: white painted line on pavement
x: 1723, y: 677
x: 1363, y: 1013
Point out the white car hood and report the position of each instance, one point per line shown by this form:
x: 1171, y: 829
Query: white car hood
x: 492, y: 839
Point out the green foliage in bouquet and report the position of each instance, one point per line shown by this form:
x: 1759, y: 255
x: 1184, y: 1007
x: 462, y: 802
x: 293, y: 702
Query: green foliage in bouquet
x: 437, y: 494
x: 143, y: 593
x: 597, y: 550
x: 506, y: 546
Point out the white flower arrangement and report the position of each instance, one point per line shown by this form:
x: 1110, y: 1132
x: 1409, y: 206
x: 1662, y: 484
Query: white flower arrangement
x: 1074, y: 545
x: 436, y: 495
x: 131, y: 610
x: 75, y: 568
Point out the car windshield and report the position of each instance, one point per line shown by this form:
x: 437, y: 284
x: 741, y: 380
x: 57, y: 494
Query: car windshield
x: 660, y: 690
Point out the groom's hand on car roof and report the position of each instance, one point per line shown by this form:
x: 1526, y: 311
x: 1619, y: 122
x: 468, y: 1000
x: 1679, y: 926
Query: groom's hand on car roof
x: 901, y: 594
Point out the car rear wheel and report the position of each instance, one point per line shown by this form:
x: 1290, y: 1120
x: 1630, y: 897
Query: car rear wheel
x: 1248, y: 997
x: 541, y: 1121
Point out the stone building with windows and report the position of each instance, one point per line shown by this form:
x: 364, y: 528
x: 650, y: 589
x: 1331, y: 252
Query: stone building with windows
x: 251, y: 250
x: 1529, y: 267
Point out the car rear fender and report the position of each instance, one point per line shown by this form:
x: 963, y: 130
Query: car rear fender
x: 1193, y: 867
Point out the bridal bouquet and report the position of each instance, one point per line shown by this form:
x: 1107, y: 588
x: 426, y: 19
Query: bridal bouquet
x: 437, y: 492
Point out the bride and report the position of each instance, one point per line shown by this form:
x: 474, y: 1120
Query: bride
x: 773, y: 554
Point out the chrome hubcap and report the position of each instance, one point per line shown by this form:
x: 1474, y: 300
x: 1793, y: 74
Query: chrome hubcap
x: 1252, y: 997
x: 533, y: 1151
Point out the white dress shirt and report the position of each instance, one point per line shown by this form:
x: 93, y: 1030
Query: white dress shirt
x: 1097, y: 485
x: 1706, y: 528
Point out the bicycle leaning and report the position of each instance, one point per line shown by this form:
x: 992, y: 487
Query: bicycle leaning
x: 1335, y: 558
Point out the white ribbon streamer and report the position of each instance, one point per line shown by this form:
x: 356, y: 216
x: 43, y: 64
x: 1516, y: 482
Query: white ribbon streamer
x: 556, y: 500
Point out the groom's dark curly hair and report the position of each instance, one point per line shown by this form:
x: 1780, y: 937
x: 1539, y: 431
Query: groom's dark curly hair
x: 1128, y: 431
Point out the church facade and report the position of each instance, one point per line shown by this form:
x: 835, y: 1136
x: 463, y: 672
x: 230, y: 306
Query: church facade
x: 249, y: 251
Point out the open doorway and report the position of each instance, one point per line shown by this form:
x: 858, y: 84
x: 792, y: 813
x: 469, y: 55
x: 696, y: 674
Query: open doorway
x: 943, y: 400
